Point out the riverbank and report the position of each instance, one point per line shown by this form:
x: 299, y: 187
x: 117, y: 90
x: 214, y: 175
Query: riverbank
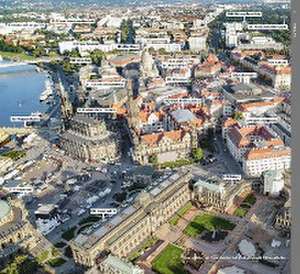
x: 21, y: 87
x: 16, y: 56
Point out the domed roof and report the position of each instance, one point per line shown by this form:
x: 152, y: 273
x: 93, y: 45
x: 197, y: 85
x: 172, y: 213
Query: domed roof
x: 4, y: 209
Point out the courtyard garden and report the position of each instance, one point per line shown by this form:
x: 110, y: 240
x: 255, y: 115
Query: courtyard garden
x: 207, y: 222
x: 169, y: 261
x: 56, y: 262
x: 180, y: 213
x: 243, y: 209
x: 147, y: 244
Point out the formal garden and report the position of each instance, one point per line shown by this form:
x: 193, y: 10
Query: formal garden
x: 169, y: 261
x: 245, y: 206
x: 207, y: 222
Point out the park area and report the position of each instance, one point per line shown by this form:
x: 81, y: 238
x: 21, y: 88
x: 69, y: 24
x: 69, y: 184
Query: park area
x: 18, y: 56
x: 243, y: 209
x: 169, y: 261
x: 14, y: 154
x: 207, y: 222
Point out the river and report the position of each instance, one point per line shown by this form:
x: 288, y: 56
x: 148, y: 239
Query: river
x: 20, y: 89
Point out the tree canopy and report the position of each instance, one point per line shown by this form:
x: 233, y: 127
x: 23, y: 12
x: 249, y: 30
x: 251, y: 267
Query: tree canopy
x: 197, y: 154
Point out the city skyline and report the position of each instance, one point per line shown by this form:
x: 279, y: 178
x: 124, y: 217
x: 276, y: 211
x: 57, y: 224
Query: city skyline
x: 145, y: 138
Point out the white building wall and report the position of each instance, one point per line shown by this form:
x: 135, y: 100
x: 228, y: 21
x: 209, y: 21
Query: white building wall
x: 197, y: 43
x: 273, y: 187
x: 257, y: 167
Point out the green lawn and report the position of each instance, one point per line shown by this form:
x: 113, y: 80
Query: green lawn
x: 243, y: 209
x: 250, y: 199
x: 69, y: 234
x: 55, y: 252
x: 56, y: 262
x: 240, y: 212
x: 16, y: 56
x: 207, y: 222
x: 180, y: 213
x: 169, y: 261
x: 177, y: 163
x: 14, y: 154
x: 42, y: 256
x: 136, y: 254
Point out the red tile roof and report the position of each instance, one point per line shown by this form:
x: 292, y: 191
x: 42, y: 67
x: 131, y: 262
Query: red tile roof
x: 265, y: 153
x: 155, y: 138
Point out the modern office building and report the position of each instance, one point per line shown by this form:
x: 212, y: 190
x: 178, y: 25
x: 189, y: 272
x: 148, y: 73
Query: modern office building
x: 197, y: 41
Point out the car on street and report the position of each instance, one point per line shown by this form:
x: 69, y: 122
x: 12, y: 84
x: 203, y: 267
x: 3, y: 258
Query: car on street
x: 211, y: 159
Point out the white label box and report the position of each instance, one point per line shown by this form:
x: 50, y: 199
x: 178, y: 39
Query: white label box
x: 96, y: 110
x: 244, y: 14
x: 102, y: 211
x: 268, y: 27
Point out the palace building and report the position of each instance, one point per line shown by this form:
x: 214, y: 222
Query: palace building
x: 220, y: 196
x: 166, y: 145
x: 15, y: 230
x: 90, y: 140
x: 127, y: 230
x: 115, y: 265
x: 210, y: 67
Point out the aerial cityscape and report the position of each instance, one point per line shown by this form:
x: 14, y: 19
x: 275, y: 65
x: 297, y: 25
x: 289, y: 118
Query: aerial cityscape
x: 145, y: 137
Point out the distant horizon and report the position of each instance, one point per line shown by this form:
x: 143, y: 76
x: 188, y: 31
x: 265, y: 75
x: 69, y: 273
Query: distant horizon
x: 121, y: 3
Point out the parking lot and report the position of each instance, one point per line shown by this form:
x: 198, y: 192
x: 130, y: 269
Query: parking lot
x: 76, y: 187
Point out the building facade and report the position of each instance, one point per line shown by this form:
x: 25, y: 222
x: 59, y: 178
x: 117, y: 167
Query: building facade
x: 220, y: 196
x: 126, y: 231
x: 197, y: 42
x: 88, y: 139
x: 166, y: 146
x: 115, y: 265
x: 280, y: 76
x: 258, y: 149
x: 258, y: 161
x: 15, y: 229
x: 273, y: 182
x: 283, y: 219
